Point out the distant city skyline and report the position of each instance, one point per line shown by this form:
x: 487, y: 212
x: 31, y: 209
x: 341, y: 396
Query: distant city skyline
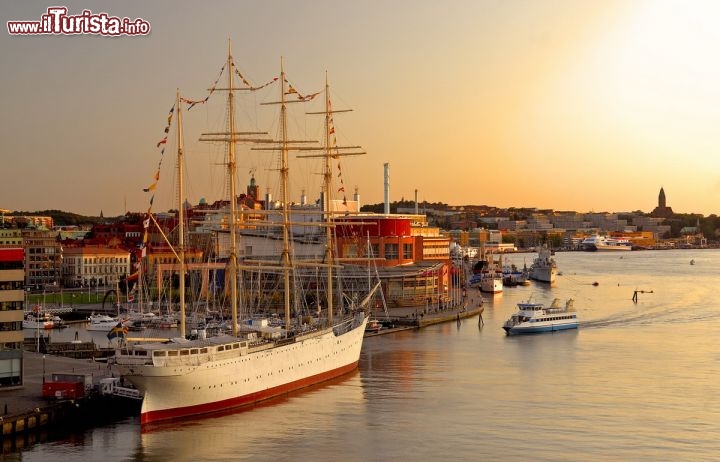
x: 565, y: 105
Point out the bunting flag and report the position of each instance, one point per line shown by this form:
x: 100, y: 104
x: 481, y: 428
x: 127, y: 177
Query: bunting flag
x: 292, y: 91
x: 191, y: 102
x: 247, y: 82
x: 167, y: 127
x: 310, y: 97
x: 156, y: 178
x: 143, y: 244
x: 162, y: 143
x: 154, y: 184
x: 336, y: 155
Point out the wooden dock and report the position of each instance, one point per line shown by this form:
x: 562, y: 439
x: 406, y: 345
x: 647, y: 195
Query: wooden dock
x: 410, y: 320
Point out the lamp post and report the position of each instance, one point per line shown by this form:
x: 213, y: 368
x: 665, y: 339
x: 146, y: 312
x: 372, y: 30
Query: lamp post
x: 43, y: 380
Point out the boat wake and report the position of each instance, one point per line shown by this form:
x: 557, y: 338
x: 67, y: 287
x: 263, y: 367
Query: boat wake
x: 647, y: 316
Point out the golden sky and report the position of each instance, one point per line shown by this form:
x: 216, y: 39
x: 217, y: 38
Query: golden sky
x: 571, y: 105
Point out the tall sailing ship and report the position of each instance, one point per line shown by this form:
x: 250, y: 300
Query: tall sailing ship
x: 255, y: 361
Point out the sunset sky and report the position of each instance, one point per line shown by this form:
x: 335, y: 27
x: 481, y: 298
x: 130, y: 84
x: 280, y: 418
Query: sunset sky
x: 562, y: 104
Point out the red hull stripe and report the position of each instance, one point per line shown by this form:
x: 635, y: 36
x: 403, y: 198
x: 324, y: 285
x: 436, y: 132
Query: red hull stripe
x: 246, y: 400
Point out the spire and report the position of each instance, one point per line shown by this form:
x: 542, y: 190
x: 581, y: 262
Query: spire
x: 661, y: 198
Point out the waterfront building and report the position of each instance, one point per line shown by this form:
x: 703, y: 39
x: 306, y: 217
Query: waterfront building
x: 43, y: 257
x: 94, y: 266
x: 412, y: 259
x: 12, y: 283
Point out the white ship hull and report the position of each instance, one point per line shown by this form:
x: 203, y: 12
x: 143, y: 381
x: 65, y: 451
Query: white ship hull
x: 492, y: 285
x: 207, y: 376
x: 544, y: 274
x: 544, y: 267
x: 532, y: 318
x: 612, y: 247
x: 538, y: 327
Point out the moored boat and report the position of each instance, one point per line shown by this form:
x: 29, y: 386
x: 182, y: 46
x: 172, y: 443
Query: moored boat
x: 544, y: 267
x: 101, y: 322
x: 38, y: 321
x: 513, y: 276
x: 256, y: 361
x: 532, y: 318
x: 605, y: 243
x: 491, y: 282
x: 487, y: 273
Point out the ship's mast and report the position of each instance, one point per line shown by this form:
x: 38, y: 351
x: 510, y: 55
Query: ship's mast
x: 232, y: 137
x: 285, y: 257
x: 233, y: 198
x: 181, y: 215
x: 327, y: 182
x: 327, y: 187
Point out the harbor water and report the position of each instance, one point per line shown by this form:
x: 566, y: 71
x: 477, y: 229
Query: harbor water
x: 637, y: 381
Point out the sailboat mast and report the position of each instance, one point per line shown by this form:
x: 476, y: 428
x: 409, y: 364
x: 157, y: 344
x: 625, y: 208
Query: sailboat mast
x: 285, y: 199
x: 231, y: 166
x: 327, y: 180
x: 181, y: 216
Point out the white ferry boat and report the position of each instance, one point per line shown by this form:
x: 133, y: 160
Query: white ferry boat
x: 602, y: 243
x: 534, y: 318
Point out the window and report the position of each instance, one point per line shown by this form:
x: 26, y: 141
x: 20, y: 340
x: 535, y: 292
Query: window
x: 391, y: 251
x: 407, y: 251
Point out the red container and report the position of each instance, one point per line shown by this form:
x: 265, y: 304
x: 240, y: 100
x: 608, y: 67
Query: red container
x: 63, y: 390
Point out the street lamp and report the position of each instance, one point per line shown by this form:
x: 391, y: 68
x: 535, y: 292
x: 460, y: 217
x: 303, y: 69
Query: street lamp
x: 43, y: 369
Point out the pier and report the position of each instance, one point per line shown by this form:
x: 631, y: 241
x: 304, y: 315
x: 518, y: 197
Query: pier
x: 25, y: 412
x: 409, y: 318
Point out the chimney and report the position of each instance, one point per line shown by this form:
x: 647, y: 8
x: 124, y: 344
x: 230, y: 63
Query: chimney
x: 387, y: 188
x: 268, y: 200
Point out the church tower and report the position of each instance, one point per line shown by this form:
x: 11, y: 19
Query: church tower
x: 662, y: 210
x: 253, y: 189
